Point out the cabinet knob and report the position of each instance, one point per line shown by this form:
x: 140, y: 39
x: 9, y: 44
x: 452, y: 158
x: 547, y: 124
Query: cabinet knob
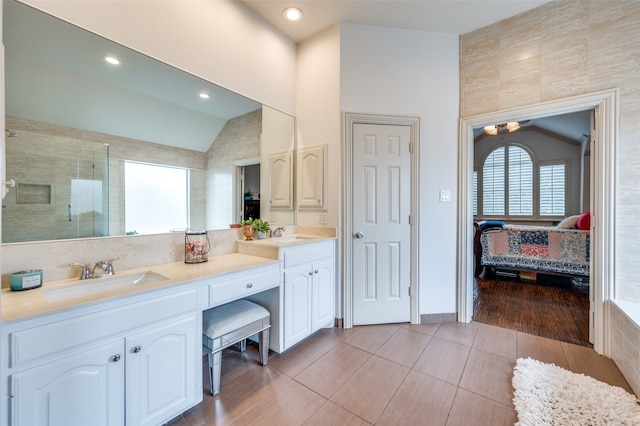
x: 249, y: 285
x: 315, y: 272
x: 310, y: 272
x: 115, y: 358
x: 136, y: 349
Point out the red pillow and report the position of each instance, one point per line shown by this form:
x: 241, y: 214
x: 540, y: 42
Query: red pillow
x: 584, y: 221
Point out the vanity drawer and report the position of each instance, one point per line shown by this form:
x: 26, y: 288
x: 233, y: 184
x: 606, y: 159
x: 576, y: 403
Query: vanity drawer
x: 58, y: 338
x: 243, y: 285
x: 307, y: 253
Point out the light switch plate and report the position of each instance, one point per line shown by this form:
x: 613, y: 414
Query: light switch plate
x: 445, y: 196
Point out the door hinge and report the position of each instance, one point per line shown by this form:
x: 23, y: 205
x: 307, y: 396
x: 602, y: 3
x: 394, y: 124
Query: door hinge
x: 409, y: 291
x: 410, y: 220
x: 410, y: 147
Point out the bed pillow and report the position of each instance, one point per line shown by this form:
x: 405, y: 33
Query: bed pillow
x: 584, y: 221
x: 569, y: 222
x: 486, y: 225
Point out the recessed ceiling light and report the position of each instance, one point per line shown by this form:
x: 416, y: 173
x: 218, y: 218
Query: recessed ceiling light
x: 204, y: 95
x: 293, y: 14
x: 111, y: 59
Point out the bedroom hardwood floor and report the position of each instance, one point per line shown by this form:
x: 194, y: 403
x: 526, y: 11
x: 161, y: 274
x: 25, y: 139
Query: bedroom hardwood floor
x: 557, y: 313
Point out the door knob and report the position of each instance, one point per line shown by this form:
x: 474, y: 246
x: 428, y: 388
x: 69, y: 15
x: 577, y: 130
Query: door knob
x: 358, y: 235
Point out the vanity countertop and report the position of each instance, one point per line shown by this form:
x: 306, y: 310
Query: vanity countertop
x: 269, y: 247
x: 17, y: 305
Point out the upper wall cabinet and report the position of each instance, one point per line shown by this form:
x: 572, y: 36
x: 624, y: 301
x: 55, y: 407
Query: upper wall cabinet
x: 312, y: 177
x: 281, y: 182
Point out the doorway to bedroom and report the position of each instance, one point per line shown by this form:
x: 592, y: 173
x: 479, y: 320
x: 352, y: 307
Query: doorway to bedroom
x: 603, y: 190
x: 531, y: 181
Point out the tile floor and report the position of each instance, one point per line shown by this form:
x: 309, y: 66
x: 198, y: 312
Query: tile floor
x: 399, y: 374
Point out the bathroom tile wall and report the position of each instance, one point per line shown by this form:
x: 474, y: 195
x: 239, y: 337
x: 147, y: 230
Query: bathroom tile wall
x: 625, y: 347
x: 238, y: 140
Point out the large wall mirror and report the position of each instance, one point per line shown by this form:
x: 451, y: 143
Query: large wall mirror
x: 98, y: 149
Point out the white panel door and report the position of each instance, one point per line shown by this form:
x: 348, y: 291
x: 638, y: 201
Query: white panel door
x: 382, y: 233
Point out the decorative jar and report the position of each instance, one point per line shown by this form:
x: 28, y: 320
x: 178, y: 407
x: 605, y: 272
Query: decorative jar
x: 196, y: 246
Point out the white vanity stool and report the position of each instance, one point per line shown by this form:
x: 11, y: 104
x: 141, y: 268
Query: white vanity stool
x: 232, y: 323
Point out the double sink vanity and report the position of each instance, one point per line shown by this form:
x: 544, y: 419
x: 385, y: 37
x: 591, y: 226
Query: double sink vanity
x: 126, y: 349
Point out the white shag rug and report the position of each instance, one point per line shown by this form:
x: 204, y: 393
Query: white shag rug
x: 546, y: 394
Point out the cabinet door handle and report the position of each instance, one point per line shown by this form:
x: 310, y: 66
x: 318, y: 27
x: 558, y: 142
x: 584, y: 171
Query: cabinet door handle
x: 249, y: 285
x: 136, y: 349
x: 115, y: 358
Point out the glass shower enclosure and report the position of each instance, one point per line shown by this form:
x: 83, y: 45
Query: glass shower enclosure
x: 61, y: 191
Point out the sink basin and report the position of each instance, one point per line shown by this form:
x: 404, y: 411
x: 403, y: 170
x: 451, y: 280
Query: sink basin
x: 288, y: 239
x: 94, y: 286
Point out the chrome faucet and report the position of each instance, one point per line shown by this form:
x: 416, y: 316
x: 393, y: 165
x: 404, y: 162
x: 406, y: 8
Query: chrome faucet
x: 102, y: 268
x: 86, y: 273
x: 277, y: 232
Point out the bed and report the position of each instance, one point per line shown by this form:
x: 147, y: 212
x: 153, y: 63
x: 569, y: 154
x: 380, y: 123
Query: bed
x: 533, y: 248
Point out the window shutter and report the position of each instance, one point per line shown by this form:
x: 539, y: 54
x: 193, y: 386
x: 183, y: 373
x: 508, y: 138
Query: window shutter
x: 493, y: 183
x: 520, y: 182
x: 552, y: 190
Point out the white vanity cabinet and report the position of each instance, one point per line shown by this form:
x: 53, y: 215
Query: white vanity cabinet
x: 85, y: 388
x: 136, y: 364
x: 162, y: 371
x: 308, y: 289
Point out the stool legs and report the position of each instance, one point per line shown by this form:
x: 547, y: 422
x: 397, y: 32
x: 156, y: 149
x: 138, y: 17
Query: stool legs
x: 215, y: 371
x: 263, y: 346
x: 215, y: 359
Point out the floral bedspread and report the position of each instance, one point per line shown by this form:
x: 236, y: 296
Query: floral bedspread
x: 549, y: 249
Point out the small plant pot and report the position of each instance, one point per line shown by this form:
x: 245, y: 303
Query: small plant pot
x: 249, y: 231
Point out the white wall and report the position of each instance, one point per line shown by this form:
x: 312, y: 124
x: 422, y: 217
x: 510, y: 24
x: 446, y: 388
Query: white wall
x: 365, y: 69
x: 222, y: 41
x: 318, y: 116
x: 413, y: 73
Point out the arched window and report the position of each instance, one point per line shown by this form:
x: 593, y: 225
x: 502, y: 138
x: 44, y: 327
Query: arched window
x: 507, y: 182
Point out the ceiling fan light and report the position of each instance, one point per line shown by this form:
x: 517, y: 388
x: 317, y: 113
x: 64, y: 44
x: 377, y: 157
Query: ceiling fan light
x: 292, y: 14
x: 512, y: 126
x: 491, y: 130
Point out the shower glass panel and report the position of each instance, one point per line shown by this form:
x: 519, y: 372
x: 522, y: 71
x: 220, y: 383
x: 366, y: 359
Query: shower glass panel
x: 62, y: 187
x: 88, y: 209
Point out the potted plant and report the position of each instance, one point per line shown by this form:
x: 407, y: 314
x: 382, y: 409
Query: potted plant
x: 255, y: 226
x: 262, y: 228
x: 248, y: 228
